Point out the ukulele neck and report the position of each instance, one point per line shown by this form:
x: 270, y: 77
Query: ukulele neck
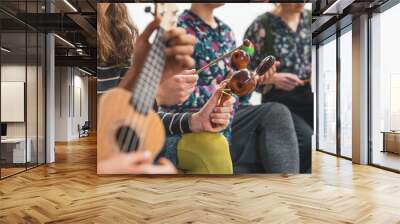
x: 145, y: 88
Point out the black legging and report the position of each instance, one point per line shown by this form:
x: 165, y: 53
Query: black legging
x: 304, y: 136
x: 264, y: 140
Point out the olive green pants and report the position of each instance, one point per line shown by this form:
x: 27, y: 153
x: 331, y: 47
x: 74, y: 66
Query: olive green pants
x: 204, y: 153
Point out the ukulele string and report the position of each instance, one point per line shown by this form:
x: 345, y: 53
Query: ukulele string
x: 159, y: 65
x: 154, y: 79
x: 125, y: 127
x: 135, y: 102
x: 143, y: 101
x: 126, y: 138
x: 124, y: 130
x: 126, y: 141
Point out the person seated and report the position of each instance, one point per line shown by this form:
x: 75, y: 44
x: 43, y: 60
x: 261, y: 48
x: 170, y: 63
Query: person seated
x: 195, y: 155
x: 261, y: 138
x: 116, y: 41
x: 285, y: 33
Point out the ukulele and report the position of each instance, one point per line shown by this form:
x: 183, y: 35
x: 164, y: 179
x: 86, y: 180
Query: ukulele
x: 127, y: 122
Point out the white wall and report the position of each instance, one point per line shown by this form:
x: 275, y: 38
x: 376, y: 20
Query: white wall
x: 71, y: 96
x: 33, y: 127
x: 16, y: 73
x: 61, y: 103
x: 80, y: 110
x: 229, y: 13
x: 237, y: 15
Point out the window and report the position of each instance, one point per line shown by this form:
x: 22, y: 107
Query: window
x: 346, y: 93
x: 385, y: 88
x: 327, y: 96
x: 22, y: 77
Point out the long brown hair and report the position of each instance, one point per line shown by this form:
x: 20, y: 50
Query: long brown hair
x: 116, y: 34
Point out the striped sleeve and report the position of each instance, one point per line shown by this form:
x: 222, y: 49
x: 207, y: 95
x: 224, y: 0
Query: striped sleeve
x: 109, y: 77
x: 175, y: 123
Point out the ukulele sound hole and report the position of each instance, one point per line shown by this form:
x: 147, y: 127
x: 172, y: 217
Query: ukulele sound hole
x: 127, y: 139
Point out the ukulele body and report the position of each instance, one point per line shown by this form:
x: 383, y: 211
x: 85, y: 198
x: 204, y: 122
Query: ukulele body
x: 121, y: 114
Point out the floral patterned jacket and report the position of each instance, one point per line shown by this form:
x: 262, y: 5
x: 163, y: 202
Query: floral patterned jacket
x: 211, y: 44
x: 271, y: 35
x: 292, y: 48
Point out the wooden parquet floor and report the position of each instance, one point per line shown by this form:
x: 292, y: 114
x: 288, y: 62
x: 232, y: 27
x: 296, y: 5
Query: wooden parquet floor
x: 69, y: 191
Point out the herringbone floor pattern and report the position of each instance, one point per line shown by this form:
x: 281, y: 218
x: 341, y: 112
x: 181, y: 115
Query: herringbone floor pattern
x: 69, y: 191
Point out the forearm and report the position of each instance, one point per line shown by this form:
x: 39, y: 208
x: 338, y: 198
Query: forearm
x: 176, y: 123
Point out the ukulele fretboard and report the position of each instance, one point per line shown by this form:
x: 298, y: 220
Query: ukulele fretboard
x: 145, y: 88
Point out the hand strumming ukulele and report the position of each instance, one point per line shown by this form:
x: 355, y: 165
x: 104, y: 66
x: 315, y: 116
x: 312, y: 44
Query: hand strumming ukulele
x: 127, y: 122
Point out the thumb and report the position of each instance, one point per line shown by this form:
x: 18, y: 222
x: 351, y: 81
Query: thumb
x: 138, y: 157
x: 189, y: 72
x: 212, y: 102
x: 215, y: 97
x: 164, y: 162
x: 150, y: 28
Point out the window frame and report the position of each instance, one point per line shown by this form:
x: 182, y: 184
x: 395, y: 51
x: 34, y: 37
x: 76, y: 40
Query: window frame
x: 334, y: 37
x: 379, y: 10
